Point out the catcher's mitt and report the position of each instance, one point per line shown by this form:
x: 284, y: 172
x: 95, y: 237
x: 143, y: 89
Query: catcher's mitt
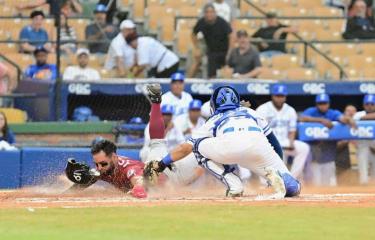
x: 152, y: 169
x: 80, y: 173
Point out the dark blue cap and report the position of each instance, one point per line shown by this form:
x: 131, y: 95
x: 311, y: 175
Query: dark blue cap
x: 279, y: 89
x: 100, y: 8
x: 195, y: 105
x: 369, y: 99
x: 167, y: 109
x: 177, y: 77
x: 322, y: 98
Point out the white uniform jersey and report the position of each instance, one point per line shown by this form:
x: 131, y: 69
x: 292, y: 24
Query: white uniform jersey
x: 281, y: 121
x: 183, y: 123
x: 240, y: 119
x: 119, y: 48
x: 358, y: 115
x: 180, y: 105
x: 76, y: 73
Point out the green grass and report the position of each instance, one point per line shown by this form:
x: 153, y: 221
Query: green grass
x: 228, y: 221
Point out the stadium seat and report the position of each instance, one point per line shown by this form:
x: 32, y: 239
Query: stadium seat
x: 327, y: 35
x: 309, y: 4
x: 368, y: 49
x: 7, y: 11
x: 270, y: 73
x: 183, y: 42
x: 293, y: 12
x: 368, y: 74
x: 79, y: 26
x: 138, y: 10
x: 325, y: 68
x: 301, y: 74
x: 343, y: 50
x: 23, y: 60
x: 14, y: 115
x: 334, y: 24
x: 177, y: 4
x: 167, y: 28
x: 8, y: 48
x: 359, y: 62
x: 327, y: 12
x: 153, y: 14
x: 285, y: 61
x: 353, y: 74
x: 277, y: 4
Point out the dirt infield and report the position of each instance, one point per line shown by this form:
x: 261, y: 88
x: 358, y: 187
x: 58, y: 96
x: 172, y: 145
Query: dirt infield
x: 45, y: 198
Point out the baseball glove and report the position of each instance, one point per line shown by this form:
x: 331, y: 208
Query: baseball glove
x: 152, y: 169
x: 80, y: 173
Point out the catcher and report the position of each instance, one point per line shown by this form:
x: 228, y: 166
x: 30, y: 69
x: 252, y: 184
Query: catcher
x: 124, y: 173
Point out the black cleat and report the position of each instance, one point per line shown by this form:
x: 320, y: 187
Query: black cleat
x: 154, y: 92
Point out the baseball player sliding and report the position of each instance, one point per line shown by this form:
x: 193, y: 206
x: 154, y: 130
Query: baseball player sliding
x: 233, y: 135
x: 283, y: 121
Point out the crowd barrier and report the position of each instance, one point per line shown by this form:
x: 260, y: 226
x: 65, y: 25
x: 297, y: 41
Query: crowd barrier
x: 43, y: 106
x: 38, y: 165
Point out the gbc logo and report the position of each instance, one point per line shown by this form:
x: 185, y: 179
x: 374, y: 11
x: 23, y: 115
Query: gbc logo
x: 362, y: 132
x: 202, y: 88
x: 368, y: 88
x: 79, y: 88
x: 258, y: 88
x: 317, y: 132
x: 140, y: 88
x: 314, y: 88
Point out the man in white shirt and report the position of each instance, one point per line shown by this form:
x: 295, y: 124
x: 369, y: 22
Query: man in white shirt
x: 223, y: 10
x: 283, y: 121
x: 189, y: 124
x: 81, y: 72
x: 152, y: 55
x: 366, y: 148
x: 177, y: 97
x: 120, y: 55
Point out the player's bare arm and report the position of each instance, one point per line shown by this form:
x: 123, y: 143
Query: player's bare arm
x: 323, y: 121
x: 369, y: 116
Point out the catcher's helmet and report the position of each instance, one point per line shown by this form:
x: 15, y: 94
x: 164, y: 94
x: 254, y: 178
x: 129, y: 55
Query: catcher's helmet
x: 224, y: 98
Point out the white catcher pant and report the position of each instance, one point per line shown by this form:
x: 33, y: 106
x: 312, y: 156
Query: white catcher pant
x: 365, y: 157
x: 250, y: 150
x: 300, y: 153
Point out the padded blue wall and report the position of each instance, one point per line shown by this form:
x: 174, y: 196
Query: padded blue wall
x: 32, y: 166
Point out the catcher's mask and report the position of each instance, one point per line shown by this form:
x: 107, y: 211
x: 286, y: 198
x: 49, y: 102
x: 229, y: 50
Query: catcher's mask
x: 224, y: 98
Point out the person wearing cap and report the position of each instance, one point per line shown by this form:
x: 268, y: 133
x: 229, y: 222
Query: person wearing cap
x: 283, y: 120
x: 131, y: 133
x: 324, y: 152
x: 177, y: 97
x: 100, y: 30
x: 152, y: 55
x: 41, y: 70
x: 244, y: 59
x: 366, y: 148
x: 120, y: 55
x: 273, y: 31
x: 193, y: 121
x: 81, y: 72
x: 34, y: 35
x: 217, y: 34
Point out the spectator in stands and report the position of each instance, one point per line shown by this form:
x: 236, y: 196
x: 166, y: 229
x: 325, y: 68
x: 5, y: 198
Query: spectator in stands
x: 273, y: 31
x: 41, y: 70
x: 177, y: 97
x: 217, y: 36
x: 120, y: 55
x: 67, y: 36
x: 153, y: 55
x: 71, y: 8
x: 111, y: 6
x: 192, y: 122
x: 54, y: 6
x: 7, y: 81
x: 81, y: 72
x: 324, y: 152
x: 34, y: 35
x: 5, y: 133
x: 351, y: 7
x: 359, y: 26
x: 366, y: 148
x: 244, y: 60
x: 100, y: 30
x: 343, y: 146
x: 132, y: 133
x: 223, y: 10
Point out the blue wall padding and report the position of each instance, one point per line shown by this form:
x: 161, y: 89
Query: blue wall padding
x: 10, y: 164
x: 42, y: 165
